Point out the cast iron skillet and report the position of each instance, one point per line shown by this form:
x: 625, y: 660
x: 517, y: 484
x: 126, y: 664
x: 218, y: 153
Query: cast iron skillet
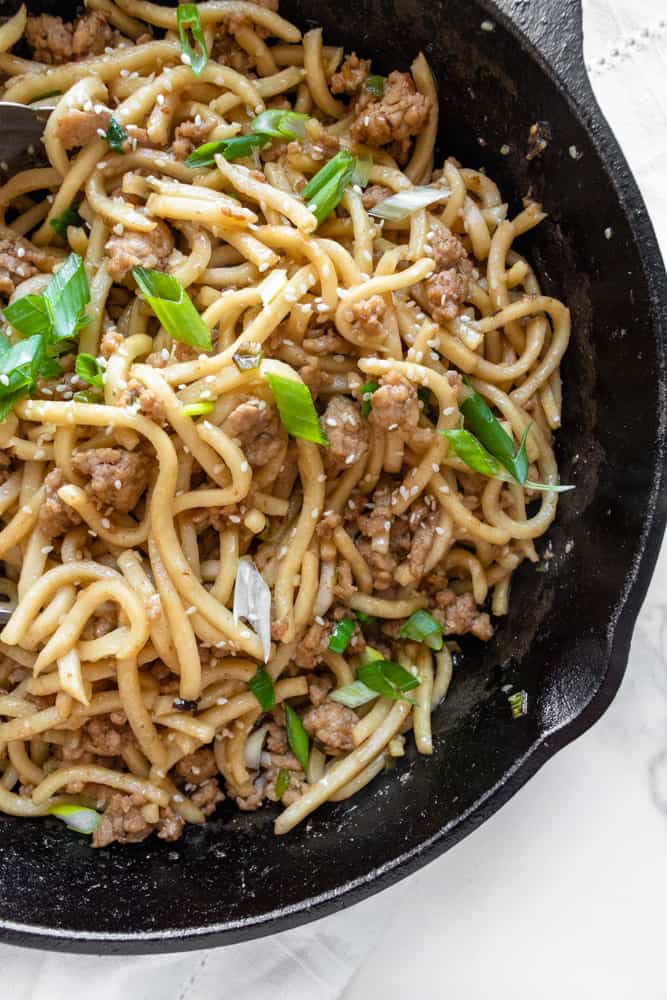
x: 566, y: 640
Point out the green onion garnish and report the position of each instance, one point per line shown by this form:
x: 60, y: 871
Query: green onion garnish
x: 353, y: 695
x: 341, y: 635
x: 48, y: 323
x: 423, y: 627
x: 247, y: 357
x: 402, y: 205
x: 278, y: 124
x: 493, y: 436
x: 367, y: 391
x: 518, y: 703
x: 296, y: 408
x: 324, y: 191
x: 261, y: 686
x: 375, y: 85
x: 115, y: 136
x: 369, y: 654
x: 172, y: 306
x: 429, y: 409
x: 282, y: 782
x: 387, y: 678
x: 70, y: 217
x: 189, y: 24
x: 198, y: 409
x: 89, y: 369
x: 466, y: 447
x: 236, y: 148
x: 77, y: 818
x: 87, y: 396
x: 297, y: 737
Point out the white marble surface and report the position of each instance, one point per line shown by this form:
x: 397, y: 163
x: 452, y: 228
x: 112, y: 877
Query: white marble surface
x: 560, y: 894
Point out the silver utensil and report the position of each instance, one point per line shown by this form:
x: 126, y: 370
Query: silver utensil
x: 5, y: 615
x: 21, y: 127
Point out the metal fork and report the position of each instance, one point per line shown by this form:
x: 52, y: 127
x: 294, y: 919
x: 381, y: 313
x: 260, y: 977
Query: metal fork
x: 21, y: 127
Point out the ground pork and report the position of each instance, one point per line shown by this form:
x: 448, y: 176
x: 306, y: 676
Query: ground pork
x: 422, y: 521
x: 54, y: 41
x: 331, y: 725
x: 449, y: 286
x: 197, y: 767
x: 460, y: 615
x: 396, y: 117
x: 207, y: 796
x: 367, y: 316
x: 318, y: 688
x: 170, y: 826
x: 312, y: 644
x: 139, y: 250
x: 258, y: 428
x: 324, y: 342
x: 122, y: 821
x: 395, y: 405
x: 190, y: 134
x: 347, y: 432
x: 116, y: 477
x: 344, y: 586
x: 140, y: 396
x: 110, y: 343
x: 106, y: 737
x: 374, y: 194
x: 102, y: 622
x: 20, y: 259
x: 55, y: 516
x: 76, y: 128
x: 351, y: 75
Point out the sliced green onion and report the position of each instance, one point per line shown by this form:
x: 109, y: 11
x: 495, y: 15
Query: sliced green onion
x: 341, y: 635
x: 89, y: 369
x: 282, y: 782
x: 173, y: 307
x: 236, y: 148
x: 353, y: 695
x: 367, y: 391
x: 261, y: 686
x: 67, y: 295
x: 30, y: 315
x: 70, y: 217
x: 198, y: 409
x: 77, y: 818
x: 272, y: 285
x: 423, y: 627
x: 370, y: 654
x: 115, y: 136
x: 362, y: 170
x: 297, y: 737
x: 189, y: 23
x: 519, y: 704
x: 252, y: 601
x: 493, y: 435
x: 466, y: 447
x: 387, y: 678
x: 296, y: 408
x: 279, y: 124
x: 374, y: 84
x: 325, y: 190
x: 424, y: 395
x: 247, y: 357
x: 399, y: 206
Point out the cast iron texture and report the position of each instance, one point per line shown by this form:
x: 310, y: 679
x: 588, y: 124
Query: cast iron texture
x: 566, y: 640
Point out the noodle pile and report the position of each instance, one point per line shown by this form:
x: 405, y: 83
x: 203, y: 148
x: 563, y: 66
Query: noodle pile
x: 129, y: 501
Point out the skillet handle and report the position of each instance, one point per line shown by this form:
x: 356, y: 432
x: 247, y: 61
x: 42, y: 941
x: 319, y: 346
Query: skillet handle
x: 555, y: 28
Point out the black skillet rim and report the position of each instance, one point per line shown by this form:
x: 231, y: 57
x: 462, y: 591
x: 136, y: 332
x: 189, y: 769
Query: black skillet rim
x: 568, y: 75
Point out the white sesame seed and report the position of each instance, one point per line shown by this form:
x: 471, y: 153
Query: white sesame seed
x: 392, y: 427
x: 435, y: 467
x: 488, y: 26
x: 185, y: 59
x: 119, y: 229
x: 191, y: 610
x: 106, y: 523
x: 439, y: 530
x: 608, y: 233
x: 117, y: 484
x: 26, y: 509
x: 574, y: 153
x: 234, y: 518
x: 244, y: 466
x: 20, y: 251
x: 160, y: 99
x: 448, y: 410
x: 444, y: 489
x: 45, y: 549
x: 504, y: 150
x: 319, y: 620
x: 164, y: 354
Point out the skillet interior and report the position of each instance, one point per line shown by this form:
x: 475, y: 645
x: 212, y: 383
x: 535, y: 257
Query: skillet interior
x: 231, y: 879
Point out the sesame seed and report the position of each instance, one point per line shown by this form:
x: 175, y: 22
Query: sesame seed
x: 444, y: 489
x: 314, y: 513
x: 504, y: 150
x: 439, y: 530
x: 20, y: 251
x: 160, y: 99
x: 106, y: 523
x: 185, y: 59
x: 608, y: 233
x: 191, y: 610
x: 435, y: 467
x: 574, y: 153
x: 244, y: 466
x: 234, y: 518
x: 319, y: 620
x: 45, y: 549
x: 119, y: 229
x: 392, y: 427
x: 26, y: 509
x: 4, y: 379
x: 487, y: 26
x: 117, y: 484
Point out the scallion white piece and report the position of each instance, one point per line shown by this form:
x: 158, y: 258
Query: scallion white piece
x: 400, y: 206
x: 252, y: 601
x: 272, y: 285
x: 77, y: 818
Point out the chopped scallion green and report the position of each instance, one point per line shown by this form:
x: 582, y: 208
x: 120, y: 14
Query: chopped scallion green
x: 261, y: 686
x: 387, y: 678
x: 89, y: 369
x: 189, y: 25
x: 341, y: 635
x: 297, y: 737
x: 173, y: 307
x: 198, y: 409
x: 115, y: 136
x: 296, y: 408
x: 282, y: 782
x: 423, y: 627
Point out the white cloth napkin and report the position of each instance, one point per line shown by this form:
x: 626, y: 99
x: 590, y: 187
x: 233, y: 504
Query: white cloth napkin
x: 626, y: 53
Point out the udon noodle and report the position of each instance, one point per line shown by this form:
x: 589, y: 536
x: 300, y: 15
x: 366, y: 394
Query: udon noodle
x: 194, y: 580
